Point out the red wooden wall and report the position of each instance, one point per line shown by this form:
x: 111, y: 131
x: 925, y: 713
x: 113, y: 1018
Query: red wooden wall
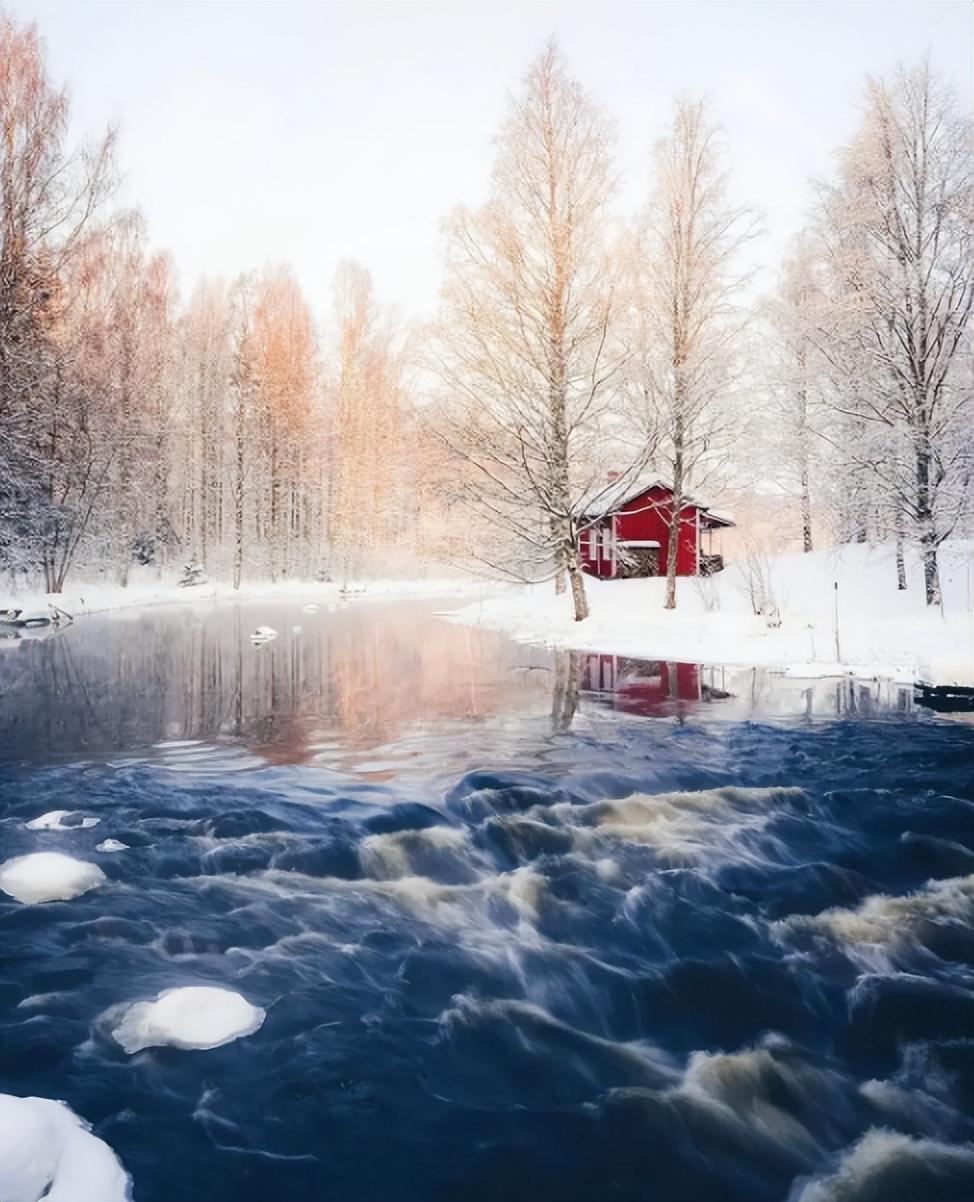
x: 645, y: 517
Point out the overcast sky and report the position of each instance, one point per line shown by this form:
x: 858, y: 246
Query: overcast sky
x: 311, y: 132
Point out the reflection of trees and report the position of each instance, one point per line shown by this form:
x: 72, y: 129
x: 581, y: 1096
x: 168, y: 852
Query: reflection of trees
x: 357, y: 677
x: 566, y: 690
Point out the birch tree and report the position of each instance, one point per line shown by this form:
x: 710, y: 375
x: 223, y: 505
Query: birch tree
x: 897, y: 231
x: 49, y: 196
x: 527, y: 350
x: 368, y: 421
x: 795, y: 380
x: 690, y: 238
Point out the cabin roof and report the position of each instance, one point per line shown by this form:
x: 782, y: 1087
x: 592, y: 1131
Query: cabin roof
x: 603, y: 499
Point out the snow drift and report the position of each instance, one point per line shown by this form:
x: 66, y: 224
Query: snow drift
x: 865, y: 626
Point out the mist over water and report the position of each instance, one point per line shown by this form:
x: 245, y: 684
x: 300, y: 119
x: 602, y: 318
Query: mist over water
x: 523, y: 927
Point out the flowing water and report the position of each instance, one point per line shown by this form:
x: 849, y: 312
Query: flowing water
x: 524, y: 926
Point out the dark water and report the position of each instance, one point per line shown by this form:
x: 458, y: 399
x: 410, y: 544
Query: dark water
x: 525, y: 927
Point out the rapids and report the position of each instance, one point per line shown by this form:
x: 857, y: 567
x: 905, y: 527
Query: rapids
x: 486, y: 929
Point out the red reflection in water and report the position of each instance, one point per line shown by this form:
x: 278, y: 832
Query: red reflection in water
x: 638, y: 686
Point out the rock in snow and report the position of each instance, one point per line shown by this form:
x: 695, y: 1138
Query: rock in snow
x: 263, y: 634
x: 112, y: 845
x: 47, y: 1152
x: 193, y: 1017
x: 48, y: 876
x: 54, y: 821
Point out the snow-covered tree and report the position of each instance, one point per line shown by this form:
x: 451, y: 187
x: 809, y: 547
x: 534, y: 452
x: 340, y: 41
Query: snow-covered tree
x: 897, y: 233
x: 795, y: 380
x: 528, y: 352
x: 690, y: 237
x: 50, y: 196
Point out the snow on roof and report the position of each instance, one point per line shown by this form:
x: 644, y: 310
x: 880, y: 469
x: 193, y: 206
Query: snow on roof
x: 605, y: 496
x: 609, y: 496
x: 716, y: 517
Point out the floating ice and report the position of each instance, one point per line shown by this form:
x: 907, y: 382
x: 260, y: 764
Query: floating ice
x: 193, y: 1017
x: 263, y: 634
x: 309, y: 609
x: 112, y: 845
x: 48, y: 876
x: 54, y: 821
x: 47, y: 1152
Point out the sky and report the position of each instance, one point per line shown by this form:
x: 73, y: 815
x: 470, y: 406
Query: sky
x: 257, y: 132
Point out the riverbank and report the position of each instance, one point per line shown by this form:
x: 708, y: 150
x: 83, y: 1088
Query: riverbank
x: 145, y: 588
x: 864, y: 627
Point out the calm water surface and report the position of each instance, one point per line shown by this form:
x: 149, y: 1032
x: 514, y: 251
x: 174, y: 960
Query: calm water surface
x: 525, y: 926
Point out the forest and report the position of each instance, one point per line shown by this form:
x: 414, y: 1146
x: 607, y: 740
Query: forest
x: 233, y: 432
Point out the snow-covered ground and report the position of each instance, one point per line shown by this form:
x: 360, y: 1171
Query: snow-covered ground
x: 881, y: 631
x: 145, y: 588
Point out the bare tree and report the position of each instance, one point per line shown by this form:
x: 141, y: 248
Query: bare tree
x: 528, y: 348
x: 691, y: 234
x: 796, y: 368
x: 368, y: 451
x: 49, y: 196
x: 897, y: 235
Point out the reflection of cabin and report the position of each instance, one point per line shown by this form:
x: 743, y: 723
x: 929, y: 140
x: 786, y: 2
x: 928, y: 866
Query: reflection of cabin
x: 636, y: 686
x: 650, y: 689
x: 628, y: 533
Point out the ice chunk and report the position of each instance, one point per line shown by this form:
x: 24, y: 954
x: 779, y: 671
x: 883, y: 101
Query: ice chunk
x: 112, y: 845
x: 309, y: 609
x: 48, y: 876
x: 54, y: 821
x: 263, y: 634
x: 47, y: 1152
x: 192, y: 1017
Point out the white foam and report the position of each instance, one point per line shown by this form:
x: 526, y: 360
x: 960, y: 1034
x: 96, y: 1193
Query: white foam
x: 883, y: 919
x: 54, y: 821
x: 48, y: 876
x: 874, y: 1163
x: 194, y: 1017
x: 393, y: 856
x: 112, y: 845
x: 47, y: 1152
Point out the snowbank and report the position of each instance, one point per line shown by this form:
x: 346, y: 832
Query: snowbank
x: 145, y: 588
x: 195, y: 1017
x: 48, y: 876
x: 47, y: 1152
x: 865, y: 627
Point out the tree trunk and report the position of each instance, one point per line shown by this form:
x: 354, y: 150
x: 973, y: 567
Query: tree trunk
x: 900, y: 563
x: 673, y: 543
x: 564, y: 700
x: 931, y: 574
x: 575, y: 575
x: 925, y: 517
x: 806, y: 513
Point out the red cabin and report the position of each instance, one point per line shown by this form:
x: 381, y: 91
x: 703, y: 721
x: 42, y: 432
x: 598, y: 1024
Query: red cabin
x: 629, y: 534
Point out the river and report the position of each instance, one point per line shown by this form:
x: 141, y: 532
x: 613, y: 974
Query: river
x: 523, y: 925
